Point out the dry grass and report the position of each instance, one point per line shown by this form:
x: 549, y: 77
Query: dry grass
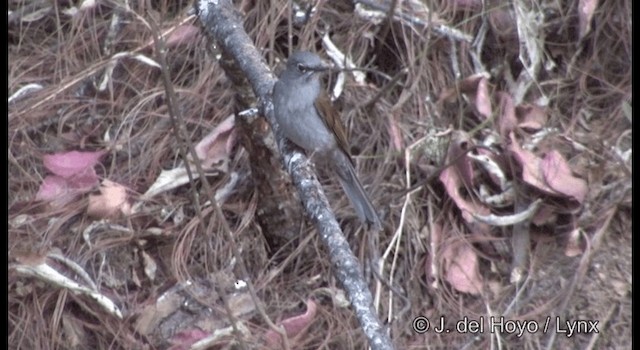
x: 588, y: 92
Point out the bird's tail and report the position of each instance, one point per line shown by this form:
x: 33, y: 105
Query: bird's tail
x: 357, y: 195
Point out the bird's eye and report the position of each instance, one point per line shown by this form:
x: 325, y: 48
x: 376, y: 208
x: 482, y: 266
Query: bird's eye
x: 302, y: 68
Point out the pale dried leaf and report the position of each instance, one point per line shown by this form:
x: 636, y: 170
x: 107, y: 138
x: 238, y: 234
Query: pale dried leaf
x: 452, y: 183
x: 482, y: 100
x: 461, y: 268
x: 111, y: 201
x: 217, y: 145
x: 507, y: 120
x: 168, y: 180
x: 531, y: 117
x: 558, y: 176
x: 586, y: 8
x: 531, y: 166
x: 574, y: 245
x: 150, y: 266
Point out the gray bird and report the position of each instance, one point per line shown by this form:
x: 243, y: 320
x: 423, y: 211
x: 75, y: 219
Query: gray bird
x: 307, y: 118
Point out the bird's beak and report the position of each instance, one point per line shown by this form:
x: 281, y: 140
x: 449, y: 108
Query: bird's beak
x: 324, y: 66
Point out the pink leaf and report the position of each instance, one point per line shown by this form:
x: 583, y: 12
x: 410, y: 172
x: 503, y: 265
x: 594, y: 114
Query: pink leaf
x: 482, y: 99
x: 216, y: 146
x: 531, y: 169
x: 293, y: 326
x: 551, y: 174
x: 68, y: 164
x: 183, y: 340
x: 55, y: 189
x: 558, y: 177
x: 452, y: 183
x: 476, y: 86
x: 461, y: 266
x: 460, y: 176
x: 74, y: 175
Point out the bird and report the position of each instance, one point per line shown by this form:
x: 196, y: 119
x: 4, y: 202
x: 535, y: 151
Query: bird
x: 307, y: 118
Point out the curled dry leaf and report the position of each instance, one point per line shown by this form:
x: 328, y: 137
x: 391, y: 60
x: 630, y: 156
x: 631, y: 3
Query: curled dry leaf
x: 453, y: 184
x: 558, y: 175
x: 531, y: 117
x: 217, y: 145
x: 550, y: 174
x: 111, y: 201
x: 213, y: 151
x: 477, y: 88
x: 293, y: 326
x: 459, y: 176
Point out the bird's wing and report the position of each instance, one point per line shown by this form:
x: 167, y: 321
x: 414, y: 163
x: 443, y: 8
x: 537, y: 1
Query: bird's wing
x: 332, y: 121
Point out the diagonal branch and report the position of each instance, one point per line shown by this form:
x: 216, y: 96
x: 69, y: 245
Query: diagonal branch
x: 224, y: 25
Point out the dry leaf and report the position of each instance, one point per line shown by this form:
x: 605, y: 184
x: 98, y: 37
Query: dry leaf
x: 531, y: 117
x: 111, y: 201
x: 586, y: 8
x: 74, y: 174
x: 550, y: 174
x: 293, y: 326
x: 217, y: 145
x: 70, y: 164
x: 507, y: 120
x: 461, y: 268
x: 184, y: 339
x: 558, y: 176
